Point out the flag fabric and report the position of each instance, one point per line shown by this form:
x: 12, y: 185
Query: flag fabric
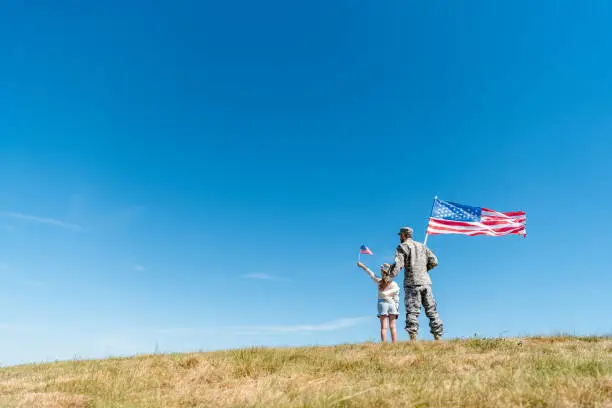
x: 452, y: 218
x: 365, y: 250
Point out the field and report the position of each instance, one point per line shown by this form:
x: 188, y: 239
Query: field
x: 530, y: 372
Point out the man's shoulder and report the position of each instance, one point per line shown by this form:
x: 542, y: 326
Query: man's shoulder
x: 411, y: 243
x: 419, y: 245
x: 404, y: 246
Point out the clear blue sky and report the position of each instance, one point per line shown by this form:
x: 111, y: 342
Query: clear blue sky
x: 201, y: 175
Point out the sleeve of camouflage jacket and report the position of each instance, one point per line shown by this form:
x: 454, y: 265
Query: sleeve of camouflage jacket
x: 397, y: 265
x: 432, y: 260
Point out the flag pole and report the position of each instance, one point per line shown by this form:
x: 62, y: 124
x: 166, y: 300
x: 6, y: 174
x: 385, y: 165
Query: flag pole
x: 426, y: 233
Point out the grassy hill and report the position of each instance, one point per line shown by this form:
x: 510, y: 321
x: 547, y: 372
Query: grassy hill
x: 530, y: 372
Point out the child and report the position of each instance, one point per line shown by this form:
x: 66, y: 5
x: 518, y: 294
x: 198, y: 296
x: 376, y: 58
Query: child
x: 388, y: 301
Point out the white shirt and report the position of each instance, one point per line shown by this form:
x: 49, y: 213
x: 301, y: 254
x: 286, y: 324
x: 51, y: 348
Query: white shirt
x: 390, y: 293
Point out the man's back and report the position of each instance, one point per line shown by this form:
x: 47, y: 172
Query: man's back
x: 417, y: 261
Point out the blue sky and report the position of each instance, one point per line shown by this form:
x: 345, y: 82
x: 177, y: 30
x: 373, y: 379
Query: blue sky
x: 201, y: 175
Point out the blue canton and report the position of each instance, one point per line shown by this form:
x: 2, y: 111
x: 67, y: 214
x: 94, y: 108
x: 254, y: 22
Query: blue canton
x: 446, y: 210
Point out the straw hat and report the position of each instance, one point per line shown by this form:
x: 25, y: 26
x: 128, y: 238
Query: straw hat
x: 385, y: 269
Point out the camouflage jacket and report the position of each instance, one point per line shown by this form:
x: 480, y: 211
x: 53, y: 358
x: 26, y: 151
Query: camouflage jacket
x: 417, y: 260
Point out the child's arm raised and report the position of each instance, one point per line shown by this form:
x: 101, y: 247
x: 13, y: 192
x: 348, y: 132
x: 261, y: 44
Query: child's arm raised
x: 369, y: 272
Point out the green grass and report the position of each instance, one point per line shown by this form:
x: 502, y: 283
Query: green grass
x: 558, y: 371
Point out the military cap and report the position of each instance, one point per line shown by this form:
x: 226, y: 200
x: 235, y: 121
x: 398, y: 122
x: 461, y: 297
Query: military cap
x: 405, y: 230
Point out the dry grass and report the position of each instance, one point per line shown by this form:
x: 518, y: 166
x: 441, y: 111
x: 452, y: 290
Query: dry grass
x: 532, y: 372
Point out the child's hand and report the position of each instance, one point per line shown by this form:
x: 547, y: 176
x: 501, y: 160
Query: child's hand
x: 362, y: 266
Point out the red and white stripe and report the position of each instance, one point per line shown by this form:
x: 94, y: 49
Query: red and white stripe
x: 492, y: 223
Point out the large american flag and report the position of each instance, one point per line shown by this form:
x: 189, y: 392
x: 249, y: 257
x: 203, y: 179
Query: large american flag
x: 453, y: 218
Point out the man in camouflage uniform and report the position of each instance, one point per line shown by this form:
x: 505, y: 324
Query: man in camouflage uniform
x: 417, y: 260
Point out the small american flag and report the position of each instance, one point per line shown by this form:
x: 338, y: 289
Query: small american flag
x: 452, y: 218
x: 365, y: 250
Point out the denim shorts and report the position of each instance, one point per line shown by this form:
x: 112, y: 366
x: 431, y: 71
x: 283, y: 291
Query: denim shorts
x: 386, y: 308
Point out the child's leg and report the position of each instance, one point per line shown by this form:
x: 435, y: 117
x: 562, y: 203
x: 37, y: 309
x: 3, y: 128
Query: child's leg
x: 383, y: 328
x: 392, y: 320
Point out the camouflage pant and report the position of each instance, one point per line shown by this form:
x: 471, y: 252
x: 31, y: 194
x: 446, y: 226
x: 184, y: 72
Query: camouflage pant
x: 414, y: 297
